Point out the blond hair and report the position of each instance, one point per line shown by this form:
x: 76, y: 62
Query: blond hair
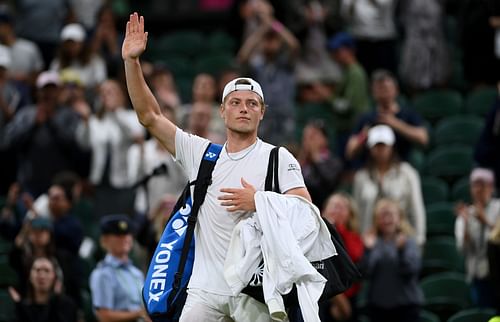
x: 404, y: 225
x: 352, y: 222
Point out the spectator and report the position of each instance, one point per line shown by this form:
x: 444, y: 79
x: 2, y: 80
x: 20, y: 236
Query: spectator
x: 36, y: 239
x: 43, y: 136
x: 205, y: 93
x: 487, y: 150
x: 74, y: 53
x: 253, y: 13
x: 321, y: 169
x: 115, y: 283
x: 11, y: 213
x: 87, y: 12
x: 109, y: 134
x: 425, y: 62
x: 146, y: 159
x: 106, y: 40
x: 407, y: 125
x: 392, y: 266
x: 164, y: 88
x: 26, y: 60
x: 199, y: 121
x: 350, y: 97
x: 472, y: 227
x: 372, y: 24
x: 494, y: 262
x: 10, y: 97
x: 272, y: 67
x: 385, y: 176
x: 44, y: 302
x: 341, y: 210
x: 41, y: 22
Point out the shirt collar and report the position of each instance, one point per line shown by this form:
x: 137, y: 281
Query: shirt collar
x: 115, y: 262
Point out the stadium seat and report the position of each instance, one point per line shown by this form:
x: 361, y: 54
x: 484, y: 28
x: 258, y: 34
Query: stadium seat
x: 427, y: 316
x: 213, y: 64
x: 8, y: 277
x: 435, y: 104
x: 441, y: 255
x: 220, y: 41
x: 473, y: 315
x: 183, y: 42
x: 7, y: 311
x: 87, y: 306
x: 434, y: 190
x: 445, y: 293
x: 440, y: 219
x: 449, y: 162
x: 458, y: 129
x: 480, y: 101
x: 460, y: 191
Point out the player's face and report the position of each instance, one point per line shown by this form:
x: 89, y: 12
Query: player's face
x: 242, y: 111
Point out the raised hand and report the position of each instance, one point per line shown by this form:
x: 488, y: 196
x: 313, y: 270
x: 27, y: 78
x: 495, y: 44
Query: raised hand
x: 135, y: 38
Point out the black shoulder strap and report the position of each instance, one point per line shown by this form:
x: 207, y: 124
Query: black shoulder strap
x: 272, y: 171
x: 203, y: 180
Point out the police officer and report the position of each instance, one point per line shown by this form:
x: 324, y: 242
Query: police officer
x: 116, y: 283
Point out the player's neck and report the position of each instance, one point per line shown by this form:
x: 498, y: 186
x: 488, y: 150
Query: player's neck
x: 238, y: 141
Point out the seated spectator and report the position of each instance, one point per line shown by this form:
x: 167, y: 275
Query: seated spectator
x: 199, y: 121
x: 384, y: 176
x: 114, y: 299
x: 76, y: 54
x: 36, y: 239
x: 43, y: 137
x: 109, y: 134
x: 391, y: 266
x: 11, y: 213
x: 350, y: 97
x: 407, y: 125
x: 163, y: 87
x: 341, y: 210
x: 45, y: 301
x: 10, y: 97
x: 472, y: 227
x: 322, y: 170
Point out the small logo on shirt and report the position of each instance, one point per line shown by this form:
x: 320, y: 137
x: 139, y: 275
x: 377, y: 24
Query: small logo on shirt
x: 293, y: 167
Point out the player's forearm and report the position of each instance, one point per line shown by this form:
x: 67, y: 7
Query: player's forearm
x: 143, y: 100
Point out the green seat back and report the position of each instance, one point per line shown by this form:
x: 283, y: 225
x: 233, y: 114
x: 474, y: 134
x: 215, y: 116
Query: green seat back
x: 440, y: 219
x: 473, y: 315
x: 441, y: 255
x: 7, y: 310
x: 428, y: 316
x: 436, y: 104
x: 449, y: 162
x: 434, y: 190
x: 459, y: 129
x: 460, y: 191
x: 480, y: 101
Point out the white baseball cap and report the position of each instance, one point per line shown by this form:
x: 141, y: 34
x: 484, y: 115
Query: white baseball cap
x: 5, y: 57
x: 482, y: 174
x: 242, y: 84
x: 73, y: 31
x: 380, y: 134
x: 48, y: 77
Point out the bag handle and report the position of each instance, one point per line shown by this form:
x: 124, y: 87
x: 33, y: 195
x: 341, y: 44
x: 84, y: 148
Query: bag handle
x: 272, y: 181
x: 203, y: 180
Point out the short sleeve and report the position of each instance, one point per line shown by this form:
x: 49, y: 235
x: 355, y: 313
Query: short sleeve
x: 290, y: 173
x: 188, y: 151
x: 101, y: 289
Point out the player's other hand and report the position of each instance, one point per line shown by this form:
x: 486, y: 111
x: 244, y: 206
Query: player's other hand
x: 135, y: 40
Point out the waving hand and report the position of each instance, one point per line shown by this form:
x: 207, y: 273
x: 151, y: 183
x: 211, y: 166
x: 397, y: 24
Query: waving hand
x: 135, y: 38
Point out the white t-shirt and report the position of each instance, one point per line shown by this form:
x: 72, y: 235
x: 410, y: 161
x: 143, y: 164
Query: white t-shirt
x: 215, y: 223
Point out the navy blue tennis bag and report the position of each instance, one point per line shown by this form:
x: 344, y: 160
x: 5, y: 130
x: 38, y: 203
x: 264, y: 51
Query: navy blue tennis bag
x: 164, y: 291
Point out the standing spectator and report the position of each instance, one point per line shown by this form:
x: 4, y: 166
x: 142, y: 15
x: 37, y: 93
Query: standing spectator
x: 425, y: 62
x: 372, y: 23
x: 392, y: 266
x: 45, y: 301
x: 109, y: 134
x: 321, y: 169
x: 26, y: 60
x: 41, y: 22
x: 487, y: 150
x: 43, y: 136
x: 273, y: 68
x: 472, y: 227
x: 385, y: 176
x: 407, y: 125
x: 106, y: 40
x: 350, y: 97
x: 115, y: 283
x: 86, y: 12
x: 74, y: 53
x: 341, y: 210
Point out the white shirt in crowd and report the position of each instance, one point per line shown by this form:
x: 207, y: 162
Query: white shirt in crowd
x: 370, y: 19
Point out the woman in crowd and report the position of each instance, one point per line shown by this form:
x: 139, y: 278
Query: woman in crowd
x: 44, y: 301
x: 384, y: 176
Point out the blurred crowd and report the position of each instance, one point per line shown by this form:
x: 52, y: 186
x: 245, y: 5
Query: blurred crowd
x: 81, y: 180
